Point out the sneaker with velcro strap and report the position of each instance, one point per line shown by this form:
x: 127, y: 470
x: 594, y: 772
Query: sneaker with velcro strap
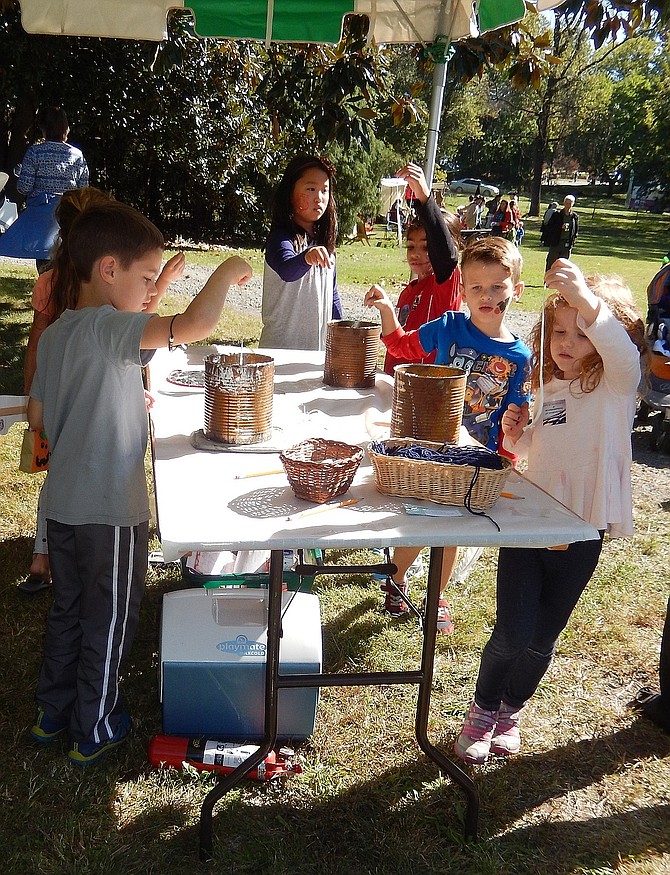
x: 84, y: 753
x: 473, y: 745
x: 45, y: 729
x: 506, y: 739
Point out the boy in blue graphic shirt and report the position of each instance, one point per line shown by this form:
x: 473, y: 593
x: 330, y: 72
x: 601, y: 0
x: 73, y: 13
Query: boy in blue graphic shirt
x: 479, y: 342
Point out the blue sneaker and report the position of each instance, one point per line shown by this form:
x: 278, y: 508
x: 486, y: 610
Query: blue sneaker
x: 44, y: 729
x: 84, y: 753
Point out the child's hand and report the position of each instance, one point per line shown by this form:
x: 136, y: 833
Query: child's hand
x: 236, y: 270
x: 414, y: 176
x: 567, y: 279
x: 173, y: 268
x: 514, y: 420
x: 376, y: 297
x: 318, y: 256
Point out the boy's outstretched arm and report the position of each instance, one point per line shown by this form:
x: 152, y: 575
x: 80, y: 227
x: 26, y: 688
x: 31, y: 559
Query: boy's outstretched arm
x: 377, y: 297
x: 202, y: 315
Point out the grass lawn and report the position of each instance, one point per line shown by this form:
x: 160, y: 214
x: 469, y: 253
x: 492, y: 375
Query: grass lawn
x: 589, y: 795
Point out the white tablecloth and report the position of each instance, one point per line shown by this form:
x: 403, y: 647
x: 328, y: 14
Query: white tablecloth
x: 205, y: 503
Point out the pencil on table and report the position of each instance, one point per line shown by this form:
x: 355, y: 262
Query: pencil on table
x: 259, y: 473
x: 321, y: 509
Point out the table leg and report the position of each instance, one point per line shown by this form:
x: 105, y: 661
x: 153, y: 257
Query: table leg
x: 227, y: 782
x: 423, y: 702
x: 272, y: 683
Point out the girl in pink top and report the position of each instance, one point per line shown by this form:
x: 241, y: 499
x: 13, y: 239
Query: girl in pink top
x: 586, y: 372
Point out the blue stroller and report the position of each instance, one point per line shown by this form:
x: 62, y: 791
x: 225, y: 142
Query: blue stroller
x: 657, y: 396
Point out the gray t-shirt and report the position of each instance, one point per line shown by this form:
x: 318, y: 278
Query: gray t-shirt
x: 297, y: 298
x: 89, y: 380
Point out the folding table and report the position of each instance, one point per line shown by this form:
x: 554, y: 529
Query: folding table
x: 218, y: 500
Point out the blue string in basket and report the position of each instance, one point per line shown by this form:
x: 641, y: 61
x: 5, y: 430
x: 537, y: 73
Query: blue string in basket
x: 451, y: 454
x: 476, y: 457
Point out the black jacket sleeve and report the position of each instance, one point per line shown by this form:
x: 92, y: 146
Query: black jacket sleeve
x: 442, y: 250
x: 552, y: 231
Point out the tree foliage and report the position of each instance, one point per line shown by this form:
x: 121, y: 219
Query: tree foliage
x: 197, y: 132
x: 554, y: 64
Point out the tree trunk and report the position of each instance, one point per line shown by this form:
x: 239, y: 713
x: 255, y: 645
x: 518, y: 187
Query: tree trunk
x: 22, y: 125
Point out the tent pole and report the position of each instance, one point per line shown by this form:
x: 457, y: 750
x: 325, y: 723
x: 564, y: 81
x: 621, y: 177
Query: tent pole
x: 436, y: 98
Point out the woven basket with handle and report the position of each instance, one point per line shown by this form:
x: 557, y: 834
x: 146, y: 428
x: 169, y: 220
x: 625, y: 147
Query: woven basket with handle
x: 444, y: 483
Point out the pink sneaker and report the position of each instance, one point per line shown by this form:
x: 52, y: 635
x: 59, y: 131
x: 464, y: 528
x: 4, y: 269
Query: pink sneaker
x: 473, y: 745
x: 445, y: 625
x: 506, y: 739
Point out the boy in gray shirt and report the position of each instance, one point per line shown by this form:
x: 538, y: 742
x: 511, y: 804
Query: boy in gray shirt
x: 88, y: 396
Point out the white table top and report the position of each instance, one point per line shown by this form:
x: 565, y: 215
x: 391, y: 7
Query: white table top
x: 205, y: 502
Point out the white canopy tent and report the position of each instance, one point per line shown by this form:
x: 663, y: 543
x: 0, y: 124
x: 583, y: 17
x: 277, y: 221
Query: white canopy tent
x: 392, y: 190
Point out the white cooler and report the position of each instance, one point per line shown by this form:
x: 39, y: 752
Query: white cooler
x: 212, y: 663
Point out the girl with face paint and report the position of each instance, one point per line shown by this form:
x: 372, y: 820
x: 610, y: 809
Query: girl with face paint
x: 299, y: 279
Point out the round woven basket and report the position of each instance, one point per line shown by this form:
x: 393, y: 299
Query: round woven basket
x: 437, y: 481
x: 238, y: 397
x: 352, y: 349
x: 428, y: 402
x: 319, y: 469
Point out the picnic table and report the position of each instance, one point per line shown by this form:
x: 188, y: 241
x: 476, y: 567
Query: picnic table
x: 221, y: 500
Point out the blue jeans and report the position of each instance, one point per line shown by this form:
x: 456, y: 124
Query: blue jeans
x: 537, y: 590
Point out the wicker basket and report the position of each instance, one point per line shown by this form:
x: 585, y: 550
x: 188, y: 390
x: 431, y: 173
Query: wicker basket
x: 428, y: 402
x: 437, y: 481
x: 319, y: 469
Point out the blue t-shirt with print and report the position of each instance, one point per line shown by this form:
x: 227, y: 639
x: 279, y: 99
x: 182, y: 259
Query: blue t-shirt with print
x: 497, y: 371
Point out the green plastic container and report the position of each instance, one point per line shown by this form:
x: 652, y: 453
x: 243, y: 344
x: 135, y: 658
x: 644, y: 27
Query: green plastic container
x: 248, y: 580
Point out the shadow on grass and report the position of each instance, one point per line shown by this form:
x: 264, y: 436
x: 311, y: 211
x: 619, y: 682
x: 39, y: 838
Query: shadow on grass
x: 347, y: 637
x: 404, y: 820
x: 642, y: 451
x: 14, y: 332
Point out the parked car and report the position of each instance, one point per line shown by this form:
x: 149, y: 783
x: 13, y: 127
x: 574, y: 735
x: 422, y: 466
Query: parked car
x: 473, y: 186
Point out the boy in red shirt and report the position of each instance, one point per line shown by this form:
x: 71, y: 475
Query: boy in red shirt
x: 433, y: 244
